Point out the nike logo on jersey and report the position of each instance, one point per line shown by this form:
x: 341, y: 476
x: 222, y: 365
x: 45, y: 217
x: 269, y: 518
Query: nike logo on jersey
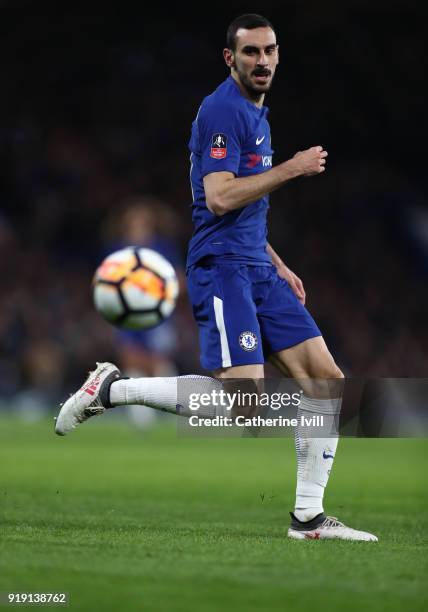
x: 260, y: 140
x: 326, y: 454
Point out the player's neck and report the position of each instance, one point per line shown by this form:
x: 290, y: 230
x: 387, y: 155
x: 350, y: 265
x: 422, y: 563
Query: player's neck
x: 255, y: 98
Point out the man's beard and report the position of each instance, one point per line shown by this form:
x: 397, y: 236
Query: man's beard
x: 254, y: 91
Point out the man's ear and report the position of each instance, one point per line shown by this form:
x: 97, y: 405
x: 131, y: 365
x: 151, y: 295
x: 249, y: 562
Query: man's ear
x: 229, y: 58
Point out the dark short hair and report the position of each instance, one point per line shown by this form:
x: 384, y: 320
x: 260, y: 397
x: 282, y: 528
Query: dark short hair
x: 249, y: 21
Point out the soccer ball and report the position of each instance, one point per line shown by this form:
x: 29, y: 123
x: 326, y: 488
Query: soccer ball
x: 135, y: 288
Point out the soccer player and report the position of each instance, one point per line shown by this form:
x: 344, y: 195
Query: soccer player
x: 249, y: 306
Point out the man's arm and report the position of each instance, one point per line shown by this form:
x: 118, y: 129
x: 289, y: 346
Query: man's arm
x: 224, y: 192
x: 285, y: 272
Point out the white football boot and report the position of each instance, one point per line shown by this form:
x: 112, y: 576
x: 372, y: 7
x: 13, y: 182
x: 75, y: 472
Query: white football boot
x: 90, y: 400
x: 326, y: 528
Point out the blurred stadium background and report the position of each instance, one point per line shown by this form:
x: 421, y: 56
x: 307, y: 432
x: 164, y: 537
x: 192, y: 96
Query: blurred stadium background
x: 95, y: 117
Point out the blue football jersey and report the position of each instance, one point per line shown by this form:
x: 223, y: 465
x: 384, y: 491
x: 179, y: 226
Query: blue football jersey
x: 229, y: 134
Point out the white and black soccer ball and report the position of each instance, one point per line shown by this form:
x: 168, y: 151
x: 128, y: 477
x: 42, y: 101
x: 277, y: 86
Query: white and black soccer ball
x: 135, y: 288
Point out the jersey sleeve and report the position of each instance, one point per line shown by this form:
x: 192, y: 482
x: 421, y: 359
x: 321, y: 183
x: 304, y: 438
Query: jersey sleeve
x: 221, y: 133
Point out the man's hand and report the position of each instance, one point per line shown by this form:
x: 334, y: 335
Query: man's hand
x: 294, y: 282
x: 310, y: 162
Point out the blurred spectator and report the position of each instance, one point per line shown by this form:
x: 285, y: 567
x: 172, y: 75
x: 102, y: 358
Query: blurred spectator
x: 146, y: 221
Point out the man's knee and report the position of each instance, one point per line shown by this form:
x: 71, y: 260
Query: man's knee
x: 320, y: 369
x: 324, y: 380
x: 330, y: 371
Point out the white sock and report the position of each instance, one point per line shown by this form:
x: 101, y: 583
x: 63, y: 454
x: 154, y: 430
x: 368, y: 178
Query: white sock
x: 314, y: 456
x: 162, y: 394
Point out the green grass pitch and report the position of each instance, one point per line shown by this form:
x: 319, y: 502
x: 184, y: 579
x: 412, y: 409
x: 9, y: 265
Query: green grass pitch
x: 124, y: 520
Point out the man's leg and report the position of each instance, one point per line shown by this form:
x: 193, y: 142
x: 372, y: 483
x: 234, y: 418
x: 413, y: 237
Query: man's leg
x: 161, y: 393
x: 105, y: 388
x: 312, y: 364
